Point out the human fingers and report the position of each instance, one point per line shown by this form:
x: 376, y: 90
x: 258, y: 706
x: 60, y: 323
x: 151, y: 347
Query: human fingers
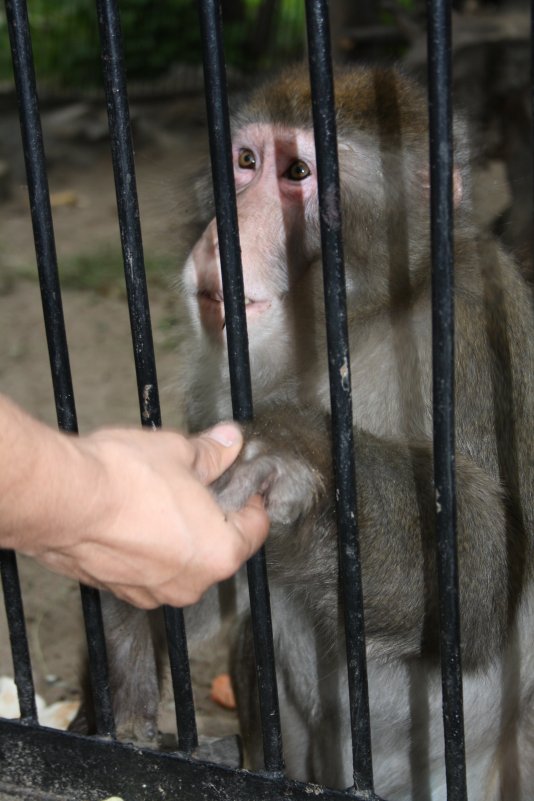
x: 251, y: 524
x: 239, y: 535
x: 245, y: 531
x: 215, y: 450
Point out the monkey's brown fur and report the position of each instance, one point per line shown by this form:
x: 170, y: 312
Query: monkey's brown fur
x: 383, y: 153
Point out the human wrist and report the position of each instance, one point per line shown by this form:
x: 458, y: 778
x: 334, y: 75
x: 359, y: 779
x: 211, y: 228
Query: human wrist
x: 40, y: 487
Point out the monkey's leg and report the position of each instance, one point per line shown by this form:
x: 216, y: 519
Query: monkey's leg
x: 133, y: 670
x: 296, y: 733
x: 243, y: 676
x: 133, y: 675
x: 135, y: 643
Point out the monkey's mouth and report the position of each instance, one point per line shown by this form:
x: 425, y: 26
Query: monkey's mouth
x: 211, y: 308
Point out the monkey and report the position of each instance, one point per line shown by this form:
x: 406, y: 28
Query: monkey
x: 382, y: 131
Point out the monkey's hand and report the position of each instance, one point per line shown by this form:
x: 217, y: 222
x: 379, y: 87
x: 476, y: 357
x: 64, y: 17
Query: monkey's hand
x: 273, y: 465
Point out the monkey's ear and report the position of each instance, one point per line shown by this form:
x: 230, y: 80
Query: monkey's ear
x: 457, y: 185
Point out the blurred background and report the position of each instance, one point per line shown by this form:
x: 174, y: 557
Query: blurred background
x: 163, y: 59
x: 492, y: 56
x: 259, y: 34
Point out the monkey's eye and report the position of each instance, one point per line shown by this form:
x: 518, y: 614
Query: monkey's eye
x: 246, y: 159
x: 297, y: 171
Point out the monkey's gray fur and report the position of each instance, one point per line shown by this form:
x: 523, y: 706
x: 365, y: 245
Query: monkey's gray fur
x: 384, y: 181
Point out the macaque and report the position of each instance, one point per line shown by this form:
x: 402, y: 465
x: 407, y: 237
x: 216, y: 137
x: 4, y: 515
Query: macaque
x: 384, y: 173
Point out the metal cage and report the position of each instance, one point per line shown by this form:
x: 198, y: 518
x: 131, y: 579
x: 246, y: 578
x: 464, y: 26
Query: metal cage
x: 61, y: 764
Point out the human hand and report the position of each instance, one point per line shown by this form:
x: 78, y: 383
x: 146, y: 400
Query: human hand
x: 130, y: 511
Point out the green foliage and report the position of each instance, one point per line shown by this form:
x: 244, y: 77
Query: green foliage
x: 6, y: 72
x: 387, y: 16
x: 158, y: 35
x: 102, y: 271
x: 289, y: 34
x: 99, y: 270
x: 155, y: 36
x: 64, y: 37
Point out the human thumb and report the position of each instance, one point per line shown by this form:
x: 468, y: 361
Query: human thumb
x: 215, y: 450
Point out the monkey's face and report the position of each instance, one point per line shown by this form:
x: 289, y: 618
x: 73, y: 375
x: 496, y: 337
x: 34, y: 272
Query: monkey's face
x: 275, y: 177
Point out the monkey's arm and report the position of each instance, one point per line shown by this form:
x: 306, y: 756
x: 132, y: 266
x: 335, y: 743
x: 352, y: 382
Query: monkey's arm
x: 288, y: 459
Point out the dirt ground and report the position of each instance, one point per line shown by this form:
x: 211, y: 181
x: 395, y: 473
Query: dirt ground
x: 100, y: 347
x: 99, y: 338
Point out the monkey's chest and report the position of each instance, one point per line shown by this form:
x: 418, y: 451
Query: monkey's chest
x: 390, y: 401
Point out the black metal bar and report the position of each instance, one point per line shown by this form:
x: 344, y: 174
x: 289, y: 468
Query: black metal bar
x: 225, y: 204
x: 34, y: 156
x: 324, y: 118
x: 236, y: 331
x: 98, y: 663
x: 43, y: 233
x: 532, y: 106
x: 181, y: 679
x: 128, y: 209
x: 79, y: 768
x: 143, y: 346
x: 17, y: 634
x: 262, y: 630
x: 441, y: 181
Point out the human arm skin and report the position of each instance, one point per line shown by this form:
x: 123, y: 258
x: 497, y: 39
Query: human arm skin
x: 124, y: 510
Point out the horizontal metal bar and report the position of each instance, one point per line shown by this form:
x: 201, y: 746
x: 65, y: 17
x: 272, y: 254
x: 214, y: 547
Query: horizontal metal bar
x: 237, y: 339
x: 45, y: 249
x: 324, y: 119
x: 88, y: 769
x: 441, y: 183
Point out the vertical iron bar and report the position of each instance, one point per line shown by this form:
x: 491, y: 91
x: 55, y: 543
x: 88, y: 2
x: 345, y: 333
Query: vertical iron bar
x: 98, y: 663
x: 441, y: 177
x: 236, y: 332
x: 324, y: 119
x: 138, y: 306
x: 128, y: 209
x: 181, y: 679
x: 34, y: 156
x: 532, y: 108
x: 43, y: 232
x: 17, y: 634
x: 260, y: 610
x: 225, y: 204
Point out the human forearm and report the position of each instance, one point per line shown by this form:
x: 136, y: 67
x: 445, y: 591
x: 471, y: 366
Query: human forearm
x: 126, y: 510
x: 35, y: 463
